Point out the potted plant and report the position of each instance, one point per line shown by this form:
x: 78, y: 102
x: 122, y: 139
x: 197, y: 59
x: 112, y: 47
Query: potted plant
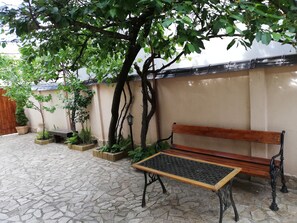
x: 21, y: 121
x: 116, y: 152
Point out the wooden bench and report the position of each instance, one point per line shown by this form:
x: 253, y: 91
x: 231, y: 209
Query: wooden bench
x: 254, y: 166
x: 60, y: 134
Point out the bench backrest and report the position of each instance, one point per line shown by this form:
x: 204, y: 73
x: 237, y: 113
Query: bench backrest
x: 266, y: 137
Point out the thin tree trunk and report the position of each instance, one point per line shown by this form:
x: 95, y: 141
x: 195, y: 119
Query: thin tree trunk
x: 119, y: 133
x: 127, y: 107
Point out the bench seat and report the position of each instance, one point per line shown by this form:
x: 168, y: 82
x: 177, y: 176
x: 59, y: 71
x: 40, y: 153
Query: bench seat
x: 60, y: 134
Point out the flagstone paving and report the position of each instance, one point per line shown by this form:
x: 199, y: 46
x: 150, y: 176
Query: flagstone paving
x: 51, y: 183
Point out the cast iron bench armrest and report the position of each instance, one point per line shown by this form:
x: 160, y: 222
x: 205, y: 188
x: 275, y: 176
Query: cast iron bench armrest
x: 157, y: 147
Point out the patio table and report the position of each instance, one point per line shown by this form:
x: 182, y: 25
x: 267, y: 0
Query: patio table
x: 212, y: 176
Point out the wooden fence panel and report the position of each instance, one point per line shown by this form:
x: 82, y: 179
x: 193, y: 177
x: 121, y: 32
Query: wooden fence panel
x: 7, y: 115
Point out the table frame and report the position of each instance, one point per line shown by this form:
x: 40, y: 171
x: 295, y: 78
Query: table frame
x: 223, y: 188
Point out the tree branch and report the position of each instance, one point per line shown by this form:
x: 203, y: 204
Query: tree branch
x: 169, y: 64
x: 101, y: 30
x: 80, y: 53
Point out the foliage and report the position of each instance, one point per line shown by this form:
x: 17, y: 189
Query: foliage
x: 139, y: 153
x: 85, y: 136
x: 43, y: 135
x: 123, y: 145
x: 104, y: 30
x: 15, y: 83
x: 74, y: 139
x: 19, y: 76
x: 21, y: 118
x: 78, y: 98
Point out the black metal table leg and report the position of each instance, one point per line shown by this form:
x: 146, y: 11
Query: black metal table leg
x: 226, y: 199
x: 152, y: 179
x: 162, y: 185
x: 144, y: 190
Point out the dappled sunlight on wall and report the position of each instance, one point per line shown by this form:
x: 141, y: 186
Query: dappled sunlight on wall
x: 214, y: 101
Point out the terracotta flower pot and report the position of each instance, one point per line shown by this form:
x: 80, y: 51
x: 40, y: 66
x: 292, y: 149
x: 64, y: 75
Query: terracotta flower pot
x: 22, y: 129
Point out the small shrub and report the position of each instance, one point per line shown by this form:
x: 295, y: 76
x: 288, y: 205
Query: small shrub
x: 85, y: 136
x: 43, y: 135
x: 123, y: 145
x: 139, y: 153
x: 20, y: 116
x: 74, y: 139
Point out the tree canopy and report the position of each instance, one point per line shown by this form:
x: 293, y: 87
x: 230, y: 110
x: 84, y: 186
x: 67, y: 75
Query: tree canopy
x: 116, y: 30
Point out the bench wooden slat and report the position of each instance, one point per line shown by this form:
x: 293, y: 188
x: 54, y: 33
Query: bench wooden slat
x: 247, y: 168
x: 267, y: 137
x: 257, y: 160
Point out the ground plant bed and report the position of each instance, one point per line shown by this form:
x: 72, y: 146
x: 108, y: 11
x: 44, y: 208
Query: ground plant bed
x: 43, y: 141
x: 110, y: 156
x: 82, y: 147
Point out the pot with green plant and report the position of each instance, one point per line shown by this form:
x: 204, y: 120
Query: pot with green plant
x: 43, y: 138
x: 116, y: 152
x: 21, y: 120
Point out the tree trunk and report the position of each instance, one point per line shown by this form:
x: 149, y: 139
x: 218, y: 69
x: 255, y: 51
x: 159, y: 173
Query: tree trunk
x: 130, y: 57
x: 133, y: 50
x: 73, y: 111
x: 126, y: 109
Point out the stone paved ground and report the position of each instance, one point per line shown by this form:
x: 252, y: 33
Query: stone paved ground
x: 54, y: 184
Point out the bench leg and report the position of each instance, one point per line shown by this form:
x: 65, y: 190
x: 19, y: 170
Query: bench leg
x: 226, y: 199
x: 153, y: 178
x: 273, y: 175
x: 284, y: 188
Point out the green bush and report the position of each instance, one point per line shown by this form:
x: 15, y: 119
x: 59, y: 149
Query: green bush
x: 139, y: 153
x: 123, y: 145
x: 85, y: 136
x: 43, y: 135
x: 74, y: 139
x: 20, y: 116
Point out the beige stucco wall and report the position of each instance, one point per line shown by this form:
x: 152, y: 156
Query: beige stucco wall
x: 214, y: 100
x: 282, y: 110
x: 260, y: 99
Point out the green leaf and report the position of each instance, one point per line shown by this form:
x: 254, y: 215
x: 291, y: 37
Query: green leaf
x: 167, y: 22
x: 292, y: 29
x: 113, y: 12
x: 276, y: 36
x: 266, y: 38
x: 103, y: 4
x: 258, y: 36
x: 187, y: 20
x: 231, y: 44
x: 217, y: 25
x: 190, y: 47
x: 230, y: 30
x: 237, y: 17
x: 55, y: 10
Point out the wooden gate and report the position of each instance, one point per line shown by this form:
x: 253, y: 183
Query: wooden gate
x: 7, y: 115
